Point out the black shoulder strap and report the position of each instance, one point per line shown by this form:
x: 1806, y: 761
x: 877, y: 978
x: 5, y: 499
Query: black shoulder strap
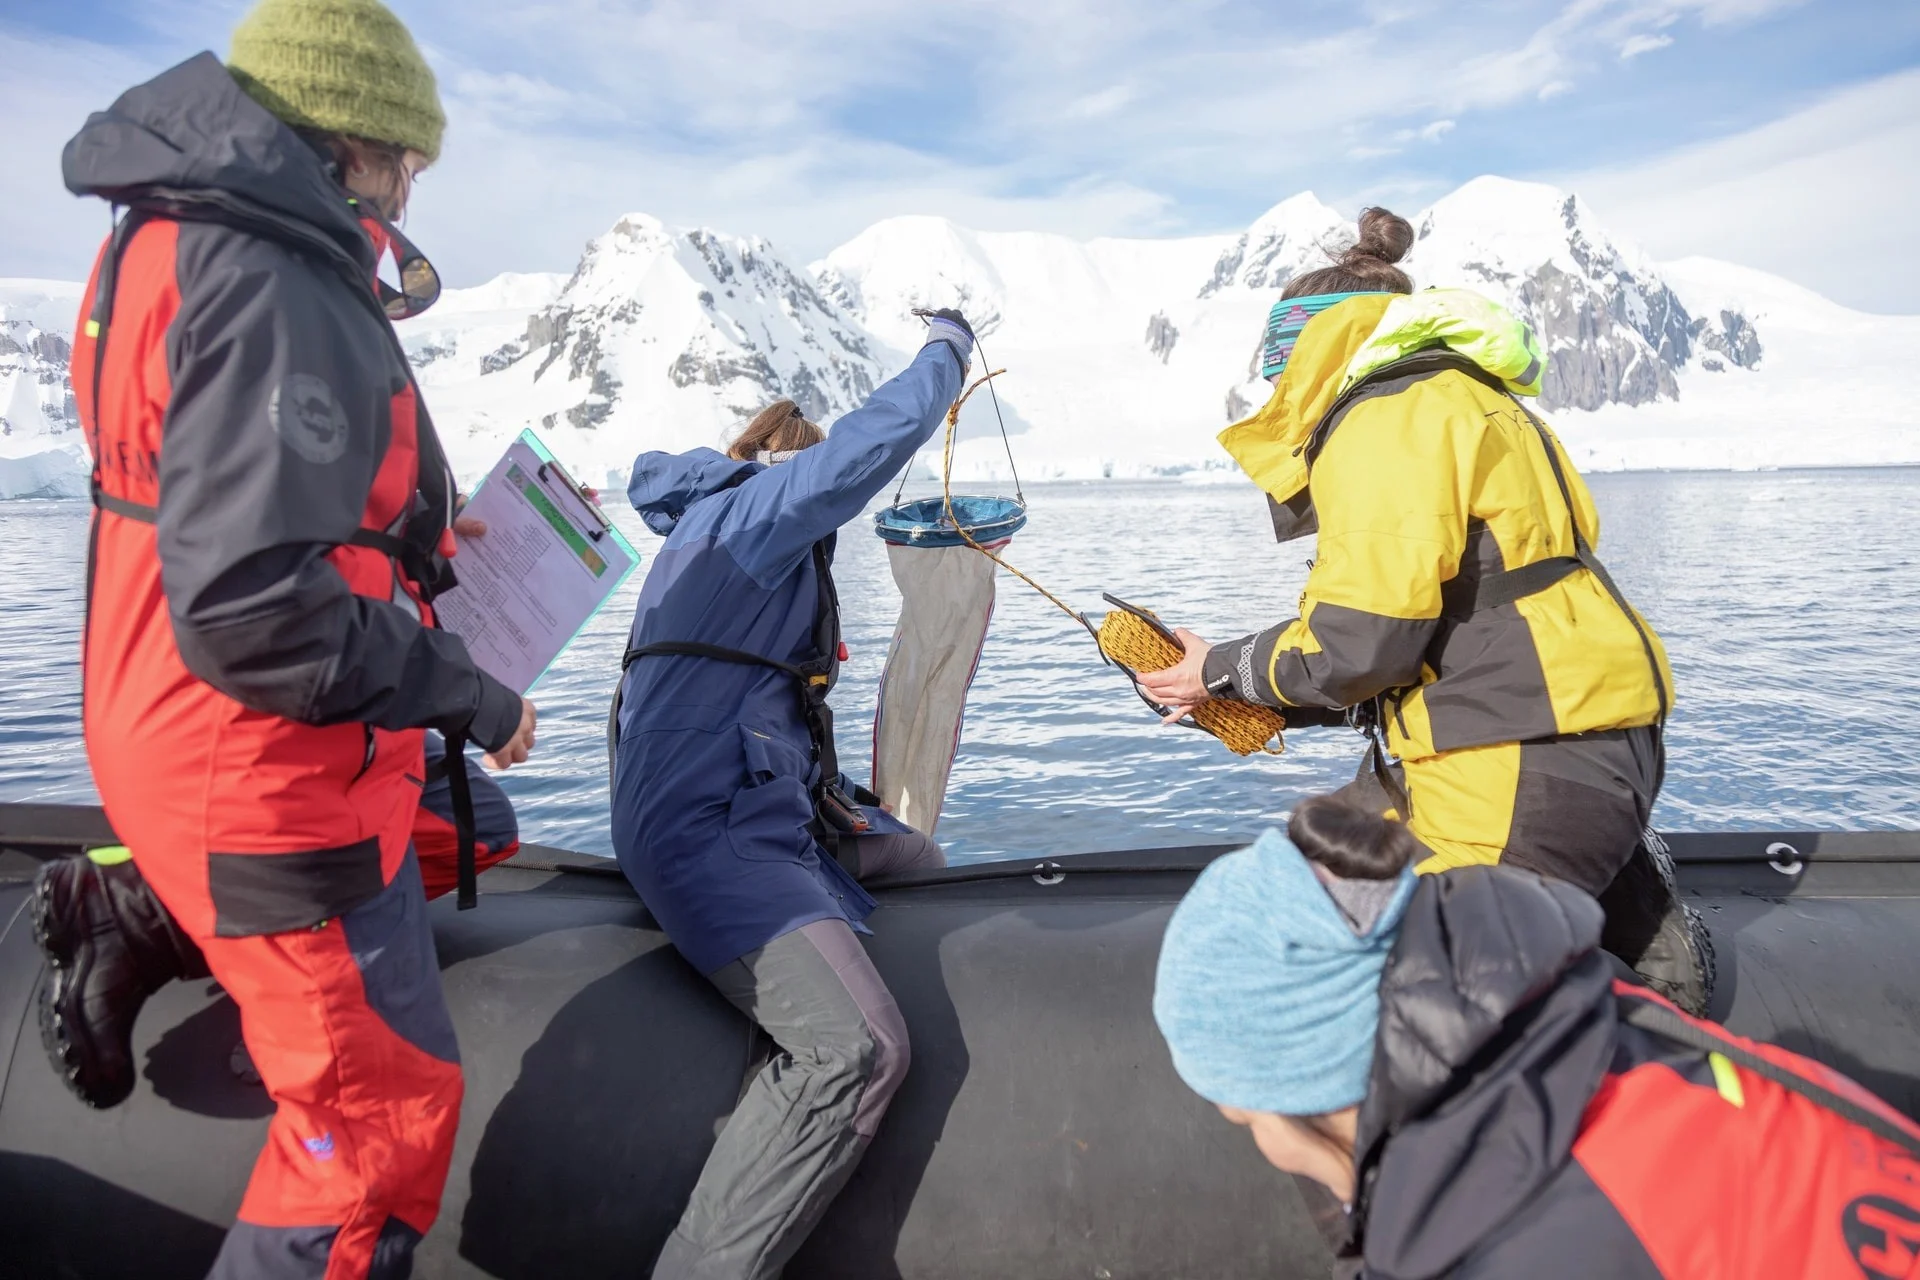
x: 1656, y: 1018
x: 1513, y: 584
x: 1584, y: 553
x: 1391, y: 379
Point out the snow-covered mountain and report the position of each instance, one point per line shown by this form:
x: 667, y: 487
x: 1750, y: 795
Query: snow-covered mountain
x: 661, y: 339
x: 1124, y: 357
x: 41, y: 453
x: 1615, y: 330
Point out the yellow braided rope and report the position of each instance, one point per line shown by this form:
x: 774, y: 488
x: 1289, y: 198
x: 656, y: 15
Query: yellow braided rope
x: 1245, y: 728
x: 1128, y: 640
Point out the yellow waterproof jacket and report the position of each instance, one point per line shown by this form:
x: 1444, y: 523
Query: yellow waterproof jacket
x: 1424, y: 486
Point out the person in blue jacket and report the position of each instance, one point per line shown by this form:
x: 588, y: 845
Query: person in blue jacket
x: 721, y: 802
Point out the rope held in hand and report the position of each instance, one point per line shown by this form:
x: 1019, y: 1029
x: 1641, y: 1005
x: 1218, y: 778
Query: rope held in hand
x: 1130, y: 642
x: 1134, y: 644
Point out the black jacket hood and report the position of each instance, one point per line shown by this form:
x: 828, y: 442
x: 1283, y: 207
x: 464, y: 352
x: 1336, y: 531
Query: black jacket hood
x: 190, y: 136
x: 1497, y: 1023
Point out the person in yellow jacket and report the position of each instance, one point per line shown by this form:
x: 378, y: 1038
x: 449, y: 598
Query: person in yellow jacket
x: 1455, y: 598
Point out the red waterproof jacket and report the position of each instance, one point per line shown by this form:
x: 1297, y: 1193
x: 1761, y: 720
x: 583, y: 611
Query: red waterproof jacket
x: 1530, y: 1115
x: 256, y: 684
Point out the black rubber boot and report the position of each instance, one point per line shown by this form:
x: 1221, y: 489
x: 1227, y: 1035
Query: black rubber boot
x: 110, y: 944
x: 1648, y: 925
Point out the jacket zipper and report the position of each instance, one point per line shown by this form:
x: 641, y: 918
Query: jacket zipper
x: 366, y: 762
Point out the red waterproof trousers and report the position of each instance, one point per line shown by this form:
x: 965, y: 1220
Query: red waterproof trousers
x: 349, y: 1030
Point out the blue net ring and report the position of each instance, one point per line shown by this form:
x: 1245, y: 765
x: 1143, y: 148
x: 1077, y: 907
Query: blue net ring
x: 924, y: 523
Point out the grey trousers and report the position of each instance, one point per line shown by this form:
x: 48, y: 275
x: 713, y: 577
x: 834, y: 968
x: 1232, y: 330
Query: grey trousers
x: 897, y: 853
x: 809, y: 1114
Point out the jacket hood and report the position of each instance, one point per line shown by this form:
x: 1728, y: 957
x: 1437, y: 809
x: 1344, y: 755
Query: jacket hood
x: 664, y: 485
x: 1496, y: 1026
x: 191, y: 133
x: 1344, y: 344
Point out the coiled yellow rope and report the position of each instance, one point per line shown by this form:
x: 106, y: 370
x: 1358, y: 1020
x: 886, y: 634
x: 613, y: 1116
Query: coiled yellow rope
x: 1129, y: 641
x: 1245, y: 728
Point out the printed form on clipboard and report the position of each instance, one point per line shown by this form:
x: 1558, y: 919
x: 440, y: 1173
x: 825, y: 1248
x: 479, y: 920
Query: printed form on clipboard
x: 547, y: 562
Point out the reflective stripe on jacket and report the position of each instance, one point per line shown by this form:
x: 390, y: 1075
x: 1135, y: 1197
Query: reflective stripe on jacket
x: 255, y: 689
x: 1415, y: 494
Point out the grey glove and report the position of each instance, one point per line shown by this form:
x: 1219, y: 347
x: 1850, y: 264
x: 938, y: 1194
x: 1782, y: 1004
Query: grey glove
x: 949, y: 326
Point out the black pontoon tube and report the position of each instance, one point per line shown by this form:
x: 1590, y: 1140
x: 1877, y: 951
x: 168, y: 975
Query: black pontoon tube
x: 1041, y: 1131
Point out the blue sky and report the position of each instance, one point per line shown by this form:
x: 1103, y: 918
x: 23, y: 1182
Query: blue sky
x: 1784, y: 135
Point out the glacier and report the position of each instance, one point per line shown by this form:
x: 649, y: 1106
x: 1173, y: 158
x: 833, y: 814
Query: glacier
x: 1124, y: 357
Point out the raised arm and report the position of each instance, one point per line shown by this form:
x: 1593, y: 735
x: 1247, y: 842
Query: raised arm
x: 779, y: 514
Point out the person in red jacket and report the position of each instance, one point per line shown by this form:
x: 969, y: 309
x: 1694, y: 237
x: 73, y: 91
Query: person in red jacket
x: 1459, y: 1065
x: 260, y: 662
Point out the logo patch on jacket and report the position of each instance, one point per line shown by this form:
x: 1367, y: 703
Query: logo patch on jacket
x: 308, y: 419
x: 1883, y: 1235
x: 320, y: 1148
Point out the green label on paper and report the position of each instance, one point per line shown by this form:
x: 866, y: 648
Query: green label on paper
x: 529, y: 486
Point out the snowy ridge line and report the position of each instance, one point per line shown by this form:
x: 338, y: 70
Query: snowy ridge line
x: 1126, y: 356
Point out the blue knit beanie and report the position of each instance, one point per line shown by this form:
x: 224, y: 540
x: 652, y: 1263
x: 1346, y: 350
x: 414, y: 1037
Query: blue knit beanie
x: 1268, y: 991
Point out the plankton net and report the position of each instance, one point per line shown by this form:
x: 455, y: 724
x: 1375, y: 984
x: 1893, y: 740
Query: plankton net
x: 943, y: 552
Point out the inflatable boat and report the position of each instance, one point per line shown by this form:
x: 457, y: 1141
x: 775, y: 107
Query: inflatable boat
x: 1041, y: 1133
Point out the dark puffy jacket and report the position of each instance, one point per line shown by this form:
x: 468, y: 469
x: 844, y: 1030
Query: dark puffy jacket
x: 256, y: 685
x: 1518, y: 1125
x: 714, y: 769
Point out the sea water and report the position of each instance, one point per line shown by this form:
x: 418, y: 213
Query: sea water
x: 1789, y: 601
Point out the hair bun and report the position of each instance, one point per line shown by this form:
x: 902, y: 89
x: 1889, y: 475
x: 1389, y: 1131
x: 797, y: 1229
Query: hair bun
x: 1350, y: 841
x: 1384, y: 236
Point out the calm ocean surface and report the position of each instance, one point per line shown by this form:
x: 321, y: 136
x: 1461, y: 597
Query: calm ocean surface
x: 1790, y: 602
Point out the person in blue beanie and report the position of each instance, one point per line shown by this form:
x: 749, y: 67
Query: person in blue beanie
x: 1268, y: 988
x: 1485, y: 1091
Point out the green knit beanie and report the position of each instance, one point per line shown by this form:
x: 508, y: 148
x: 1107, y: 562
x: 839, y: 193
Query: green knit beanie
x: 345, y: 66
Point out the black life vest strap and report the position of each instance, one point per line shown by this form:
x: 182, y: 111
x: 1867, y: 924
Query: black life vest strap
x: 836, y: 814
x: 387, y: 544
x: 1591, y: 562
x: 467, y: 857
x: 137, y: 511
x: 1461, y: 597
x: 1653, y: 1017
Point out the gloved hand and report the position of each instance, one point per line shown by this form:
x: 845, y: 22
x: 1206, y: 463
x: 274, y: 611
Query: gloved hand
x: 949, y: 326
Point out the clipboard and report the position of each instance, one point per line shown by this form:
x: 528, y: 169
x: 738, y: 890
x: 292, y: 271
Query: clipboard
x: 549, y: 561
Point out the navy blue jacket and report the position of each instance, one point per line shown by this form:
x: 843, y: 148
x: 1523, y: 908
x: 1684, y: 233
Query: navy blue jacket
x: 713, y: 775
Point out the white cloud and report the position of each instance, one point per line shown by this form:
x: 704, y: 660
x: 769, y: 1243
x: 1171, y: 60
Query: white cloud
x: 1820, y: 196
x: 1103, y: 103
x: 45, y: 94
x: 1639, y: 44
x: 805, y: 123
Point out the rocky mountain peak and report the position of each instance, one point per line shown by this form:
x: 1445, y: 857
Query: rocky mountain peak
x: 1295, y: 235
x: 36, y: 393
x: 662, y: 338
x: 1615, y: 332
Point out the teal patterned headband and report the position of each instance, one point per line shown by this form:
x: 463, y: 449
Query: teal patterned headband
x: 1288, y: 317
